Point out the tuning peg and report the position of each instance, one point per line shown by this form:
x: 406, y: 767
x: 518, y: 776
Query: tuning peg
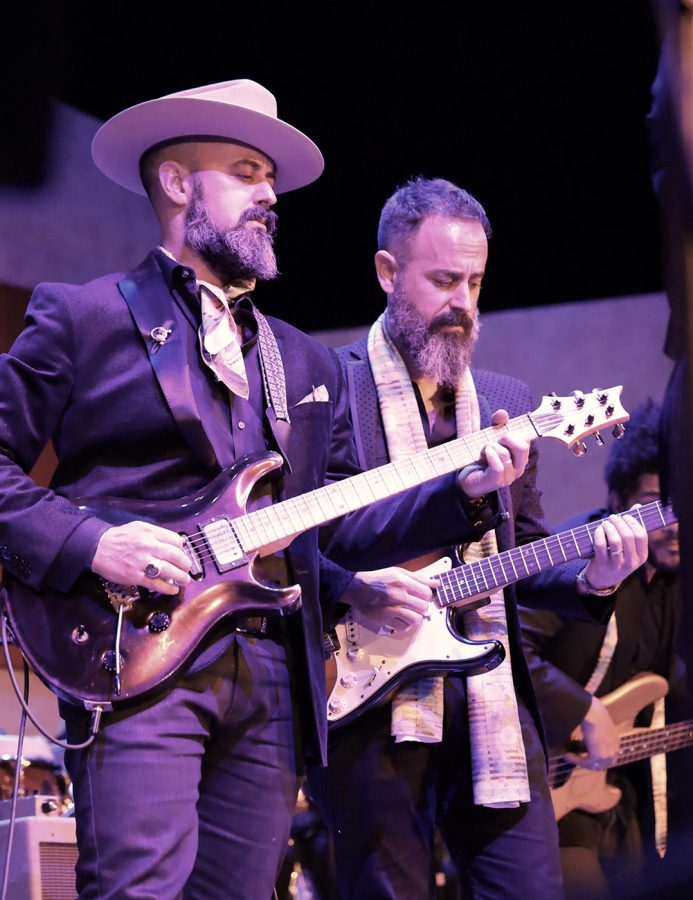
x: 580, y: 448
x: 599, y: 439
x: 579, y: 398
x: 555, y: 402
x: 602, y: 396
x: 609, y: 411
x: 618, y: 431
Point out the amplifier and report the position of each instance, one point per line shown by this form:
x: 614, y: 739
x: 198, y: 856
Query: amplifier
x: 44, y: 855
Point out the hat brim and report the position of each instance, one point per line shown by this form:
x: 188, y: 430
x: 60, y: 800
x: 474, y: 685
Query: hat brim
x: 119, y: 144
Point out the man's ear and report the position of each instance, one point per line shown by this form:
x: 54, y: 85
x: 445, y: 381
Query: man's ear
x: 386, y: 268
x: 172, y: 179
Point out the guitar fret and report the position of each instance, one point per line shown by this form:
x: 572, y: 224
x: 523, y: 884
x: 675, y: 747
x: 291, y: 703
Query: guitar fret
x: 493, y: 574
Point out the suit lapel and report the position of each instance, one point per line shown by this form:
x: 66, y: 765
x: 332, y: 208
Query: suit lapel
x: 152, y: 307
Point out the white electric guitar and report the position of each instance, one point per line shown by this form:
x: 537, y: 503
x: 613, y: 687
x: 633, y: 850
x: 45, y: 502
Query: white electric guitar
x: 371, y: 662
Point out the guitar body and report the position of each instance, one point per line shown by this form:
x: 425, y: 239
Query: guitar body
x: 371, y: 662
x: 68, y: 637
x: 587, y: 789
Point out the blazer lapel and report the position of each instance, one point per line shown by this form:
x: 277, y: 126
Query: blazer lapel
x: 156, y: 313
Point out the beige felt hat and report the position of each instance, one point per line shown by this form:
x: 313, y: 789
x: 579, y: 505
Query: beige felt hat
x: 240, y: 110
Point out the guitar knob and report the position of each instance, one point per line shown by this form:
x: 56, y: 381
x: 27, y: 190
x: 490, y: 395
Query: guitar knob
x: 108, y: 661
x: 555, y: 402
x: 618, y: 431
x: 580, y: 448
x: 347, y: 680
x: 335, y: 706
x: 599, y: 439
x: 354, y: 653
x: 158, y: 622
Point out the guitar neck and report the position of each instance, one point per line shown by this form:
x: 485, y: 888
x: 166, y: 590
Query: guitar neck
x: 637, y: 745
x: 493, y: 572
x: 648, y: 742
x: 273, y: 525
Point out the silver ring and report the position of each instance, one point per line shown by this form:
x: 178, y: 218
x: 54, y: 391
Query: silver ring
x: 152, y: 570
x: 615, y: 552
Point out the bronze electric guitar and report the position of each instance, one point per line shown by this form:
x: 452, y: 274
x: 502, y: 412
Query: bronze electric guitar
x: 371, y: 662
x: 70, y: 639
x: 573, y: 787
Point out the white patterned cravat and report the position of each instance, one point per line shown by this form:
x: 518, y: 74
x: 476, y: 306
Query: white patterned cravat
x: 220, y: 342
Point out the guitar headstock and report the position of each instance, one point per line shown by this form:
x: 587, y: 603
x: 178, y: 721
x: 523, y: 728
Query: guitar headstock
x: 571, y: 419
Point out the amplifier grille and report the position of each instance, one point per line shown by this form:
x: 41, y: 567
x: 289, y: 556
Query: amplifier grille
x: 58, y: 871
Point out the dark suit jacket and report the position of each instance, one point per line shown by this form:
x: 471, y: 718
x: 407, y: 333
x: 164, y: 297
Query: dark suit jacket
x: 132, y: 418
x: 521, y: 518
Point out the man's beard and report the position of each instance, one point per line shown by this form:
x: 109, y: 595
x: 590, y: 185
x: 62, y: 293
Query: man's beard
x: 429, y: 349
x: 233, y: 254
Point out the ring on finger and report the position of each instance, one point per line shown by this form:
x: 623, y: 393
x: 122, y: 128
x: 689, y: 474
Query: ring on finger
x: 615, y: 552
x: 152, y: 570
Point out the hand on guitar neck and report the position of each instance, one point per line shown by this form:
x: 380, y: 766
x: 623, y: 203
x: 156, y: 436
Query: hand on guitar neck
x: 600, y: 736
x: 620, y: 547
x: 504, y: 461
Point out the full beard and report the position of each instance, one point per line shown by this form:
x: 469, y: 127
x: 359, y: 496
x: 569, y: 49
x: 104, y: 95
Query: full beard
x: 430, y: 350
x: 234, y: 254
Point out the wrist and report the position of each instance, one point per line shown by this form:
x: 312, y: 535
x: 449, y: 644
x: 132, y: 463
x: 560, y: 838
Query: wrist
x: 586, y: 587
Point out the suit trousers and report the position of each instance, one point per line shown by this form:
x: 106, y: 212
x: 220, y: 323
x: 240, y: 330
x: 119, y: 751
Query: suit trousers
x: 190, y: 793
x: 383, y: 801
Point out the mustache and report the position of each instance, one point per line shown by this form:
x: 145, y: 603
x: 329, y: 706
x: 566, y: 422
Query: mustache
x: 453, y: 318
x: 258, y: 214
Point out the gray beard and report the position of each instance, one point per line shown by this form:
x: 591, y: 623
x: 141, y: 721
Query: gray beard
x: 443, y: 356
x: 233, y: 254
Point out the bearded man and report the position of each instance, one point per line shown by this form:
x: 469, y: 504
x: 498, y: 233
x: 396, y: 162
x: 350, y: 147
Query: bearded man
x: 425, y: 759
x: 152, y: 384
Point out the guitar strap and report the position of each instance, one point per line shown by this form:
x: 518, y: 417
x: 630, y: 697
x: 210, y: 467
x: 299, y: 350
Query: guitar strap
x: 658, y: 763
x: 273, y: 377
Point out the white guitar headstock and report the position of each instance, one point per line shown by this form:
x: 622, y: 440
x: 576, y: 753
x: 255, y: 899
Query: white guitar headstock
x: 571, y: 419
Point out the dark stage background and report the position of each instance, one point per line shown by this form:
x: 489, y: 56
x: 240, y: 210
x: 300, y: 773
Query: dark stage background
x: 538, y: 109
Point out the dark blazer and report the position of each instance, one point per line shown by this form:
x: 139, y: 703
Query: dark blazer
x: 521, y: 519
x: 131, y: 417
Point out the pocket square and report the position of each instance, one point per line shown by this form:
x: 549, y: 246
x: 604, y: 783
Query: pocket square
x: 317, y: 395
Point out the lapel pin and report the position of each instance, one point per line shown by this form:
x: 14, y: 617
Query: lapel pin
x: 160, y: 334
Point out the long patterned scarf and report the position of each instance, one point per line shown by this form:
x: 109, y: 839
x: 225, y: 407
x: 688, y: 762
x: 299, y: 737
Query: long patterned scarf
x: 499, y: 767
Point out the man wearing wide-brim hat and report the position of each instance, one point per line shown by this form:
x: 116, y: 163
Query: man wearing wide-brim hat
x: 151, y: 383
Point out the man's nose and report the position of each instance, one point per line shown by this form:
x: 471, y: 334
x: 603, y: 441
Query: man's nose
x: 462, y: 298
x: 264, y: 194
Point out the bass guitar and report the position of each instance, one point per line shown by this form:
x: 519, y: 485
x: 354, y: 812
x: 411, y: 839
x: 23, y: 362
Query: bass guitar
x: 573, y: 787
x: 89, y: 653
x: 371, y: 662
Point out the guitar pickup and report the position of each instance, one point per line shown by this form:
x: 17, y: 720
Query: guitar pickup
x: 226, y: 550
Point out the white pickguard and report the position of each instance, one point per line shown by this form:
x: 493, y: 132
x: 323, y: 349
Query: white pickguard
x: 371, y: 662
